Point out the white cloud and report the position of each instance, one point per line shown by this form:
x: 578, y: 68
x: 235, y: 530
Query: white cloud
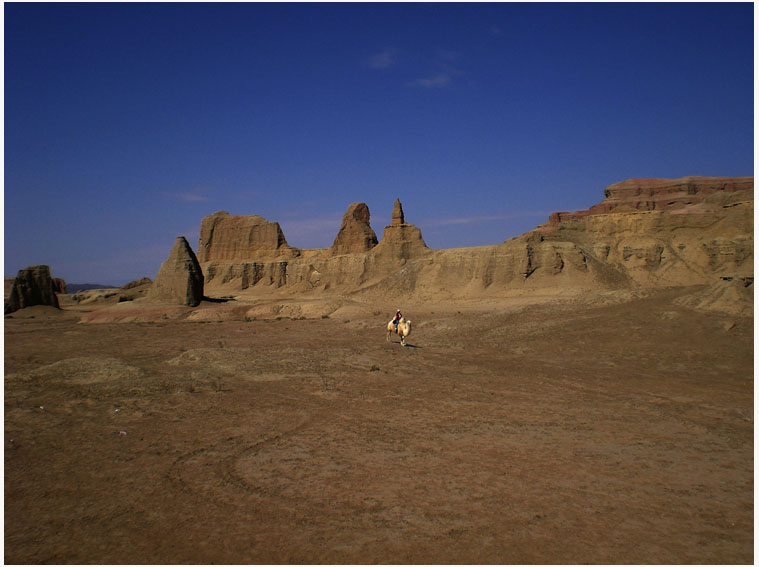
x: 384, y: 59
x: 192, y: 198
x: 449, y: 55
x: 187, y: 197
x: 485, y: 218
x: 434, y: 81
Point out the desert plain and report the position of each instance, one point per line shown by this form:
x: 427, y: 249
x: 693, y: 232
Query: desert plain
x: 612, y: 428
x: 582, y: 393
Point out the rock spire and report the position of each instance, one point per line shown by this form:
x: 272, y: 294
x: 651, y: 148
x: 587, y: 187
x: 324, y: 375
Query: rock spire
x: 355, y: 234
x: 398, y: 213
x: 401, y: 241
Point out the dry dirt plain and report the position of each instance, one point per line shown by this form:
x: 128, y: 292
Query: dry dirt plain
x: 562, y: 432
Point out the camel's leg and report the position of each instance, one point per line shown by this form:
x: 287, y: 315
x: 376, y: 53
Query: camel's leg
x: 403, y: 340
x: 388, y: 336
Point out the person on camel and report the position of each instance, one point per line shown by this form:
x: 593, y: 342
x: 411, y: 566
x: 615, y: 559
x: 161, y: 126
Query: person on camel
x: 397, y: 319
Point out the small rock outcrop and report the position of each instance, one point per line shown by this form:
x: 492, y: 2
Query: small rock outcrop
x: 128, y: 292
x: 355, y: 234
x: 180, y: 279
x: 229, y: 238
x: 32, y: 286
x: 137, y: 283
x: 733, y: 294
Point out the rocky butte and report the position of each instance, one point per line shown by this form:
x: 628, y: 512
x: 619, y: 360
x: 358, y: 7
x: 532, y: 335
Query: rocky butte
x: 34, y: 286
x: 645, y: 233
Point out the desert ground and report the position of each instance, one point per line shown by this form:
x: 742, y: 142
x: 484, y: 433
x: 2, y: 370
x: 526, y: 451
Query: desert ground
x: 616, y: 428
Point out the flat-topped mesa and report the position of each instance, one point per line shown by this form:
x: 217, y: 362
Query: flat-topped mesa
x: 180, y: 279
x: 672, y: 192
x: 355, y: 234
x: 400, y: 239
x: 652, y: 194
x: 227, y: 238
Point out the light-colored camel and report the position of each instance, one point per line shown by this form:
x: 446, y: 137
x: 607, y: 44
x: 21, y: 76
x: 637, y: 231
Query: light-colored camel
x: 404, y: 330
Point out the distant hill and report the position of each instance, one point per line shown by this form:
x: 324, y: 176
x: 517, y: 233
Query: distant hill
x: 74, y: 287
x: 70, y: 288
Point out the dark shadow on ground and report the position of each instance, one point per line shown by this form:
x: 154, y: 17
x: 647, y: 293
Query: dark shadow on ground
x: 218, y: 299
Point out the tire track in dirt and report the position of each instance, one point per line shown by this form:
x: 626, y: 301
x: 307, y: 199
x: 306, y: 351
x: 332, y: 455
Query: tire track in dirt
x: 227, y: 454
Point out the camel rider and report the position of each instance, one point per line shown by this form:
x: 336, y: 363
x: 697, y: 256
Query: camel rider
x: 396, y: 319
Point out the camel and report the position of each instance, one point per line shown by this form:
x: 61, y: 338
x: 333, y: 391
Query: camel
x: 404, y: 330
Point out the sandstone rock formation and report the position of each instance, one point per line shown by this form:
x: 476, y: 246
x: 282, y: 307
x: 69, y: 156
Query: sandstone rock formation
x: 309, y: 270
x: 645, y: 233
x: 106, y: 296
x: 730, y: 294
x: 180, y: 279
x: 32, y: 286
x: 401, y: 241
x: 229, y: 238
x: 95, y: 296
x: 685, y: 231
x: 59, y: 285
x: 663, y: 195
x: 142, y: 282
x: 355, y: 235
x: 8, y: 286
x: 397, y: 214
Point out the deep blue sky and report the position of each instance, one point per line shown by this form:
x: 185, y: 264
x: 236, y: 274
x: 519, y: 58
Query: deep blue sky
x: 126, y: 124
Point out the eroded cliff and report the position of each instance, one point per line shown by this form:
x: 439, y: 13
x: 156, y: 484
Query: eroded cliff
x: 650, y: 232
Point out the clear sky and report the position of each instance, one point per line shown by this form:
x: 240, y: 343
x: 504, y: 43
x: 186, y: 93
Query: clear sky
x: 126, y: 124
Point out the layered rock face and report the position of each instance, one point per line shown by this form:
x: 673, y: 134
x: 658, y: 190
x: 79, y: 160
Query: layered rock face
x: 664, y: 231
x: 229, y: 238
x: 32, y: 286
x: 355, y: 235
x: 354, y: 258
x: 663, y: 195
x: 645, y: 233
x: 180, y: 279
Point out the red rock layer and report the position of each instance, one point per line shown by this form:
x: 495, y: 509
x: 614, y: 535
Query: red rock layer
x: 658, y: 195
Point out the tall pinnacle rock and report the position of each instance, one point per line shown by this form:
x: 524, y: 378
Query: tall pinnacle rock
x: 355, y: 234
x: 400, y: 241
x: 180, y: 279
x: 397, y: 213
